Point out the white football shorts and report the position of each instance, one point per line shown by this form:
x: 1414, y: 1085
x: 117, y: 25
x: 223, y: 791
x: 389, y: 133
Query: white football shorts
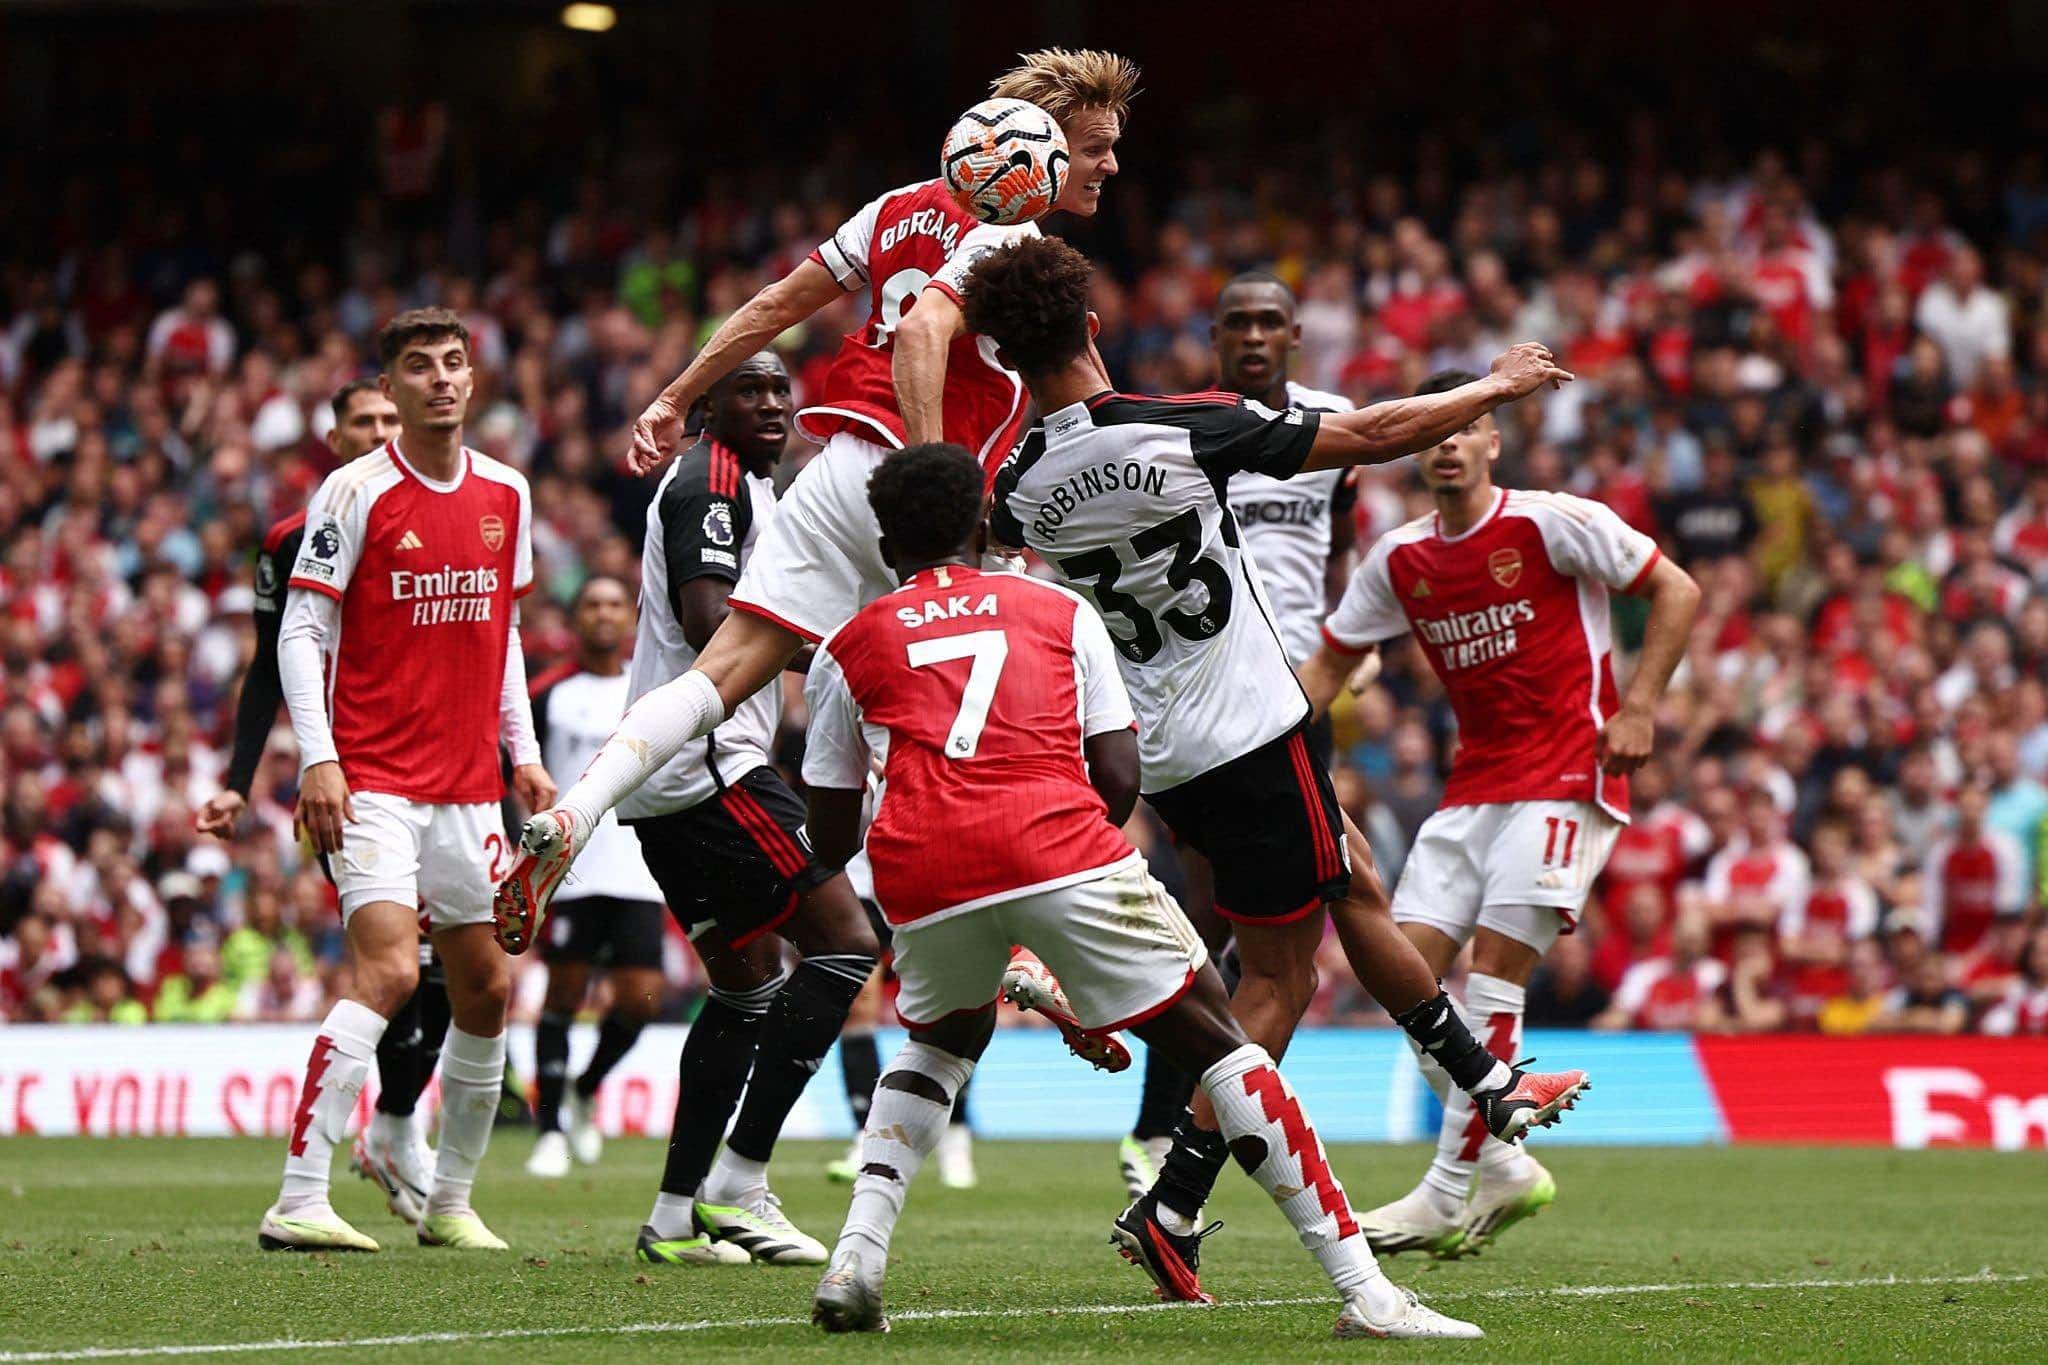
x: 1520, y: 868
x: 442, y: 859
x: 820, y: 560
x: 1122, y: 950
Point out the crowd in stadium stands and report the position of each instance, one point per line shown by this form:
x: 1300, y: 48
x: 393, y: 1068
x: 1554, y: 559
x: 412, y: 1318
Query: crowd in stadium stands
x: 1838, y: 423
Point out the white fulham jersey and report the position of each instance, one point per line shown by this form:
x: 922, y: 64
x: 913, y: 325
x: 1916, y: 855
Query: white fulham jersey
x: 1124, y: 497
x: 1287, y: 526
x: 703, y: 523
x: 572, y: 718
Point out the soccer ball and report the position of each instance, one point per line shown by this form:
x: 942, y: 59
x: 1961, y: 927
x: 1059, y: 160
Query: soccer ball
x: 1005, y: 161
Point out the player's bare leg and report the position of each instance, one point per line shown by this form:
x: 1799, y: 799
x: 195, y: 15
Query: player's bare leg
x: 1509, y: 1100
x: 1476, y: 1186
x: 382, y: 940
x: 745, y: 654
x: 472, y: 1077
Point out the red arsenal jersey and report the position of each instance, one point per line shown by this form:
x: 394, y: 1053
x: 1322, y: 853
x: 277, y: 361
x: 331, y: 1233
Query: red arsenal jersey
x: 976, y: 691
x: 907, y: 239
x: 426, y: 574
x: 1512, y: 615
x: 1970, y: 882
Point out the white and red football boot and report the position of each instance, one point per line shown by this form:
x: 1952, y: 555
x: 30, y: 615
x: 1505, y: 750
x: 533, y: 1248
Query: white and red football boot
x: 1030, y: 985
x: 548, y: 844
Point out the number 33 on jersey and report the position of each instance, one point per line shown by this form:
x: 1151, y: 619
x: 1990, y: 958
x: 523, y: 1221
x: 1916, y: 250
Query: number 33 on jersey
x: 975, y: 691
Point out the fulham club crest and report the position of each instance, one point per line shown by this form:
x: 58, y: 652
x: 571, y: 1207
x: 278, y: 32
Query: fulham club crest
x: 492, y: 529
x: 1506, y: 567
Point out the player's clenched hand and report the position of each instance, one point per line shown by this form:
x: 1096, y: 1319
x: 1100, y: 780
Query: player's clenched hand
x: 534, y: 786
x: 219, y: 813
x: 655, y: 434
x: 324, y: 806
x: 1527, y: 367
x: 1625, y: 742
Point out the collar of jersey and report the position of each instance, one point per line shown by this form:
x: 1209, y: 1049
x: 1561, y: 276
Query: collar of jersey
x: 1500, y: 500
x: 405, y: 467
x: 928, y: 577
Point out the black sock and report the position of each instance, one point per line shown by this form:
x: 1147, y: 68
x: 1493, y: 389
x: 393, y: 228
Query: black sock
x: 1438, y: 1029
x: 551, y: 1069
x: 615, y: 1037
x: 860, y: 1066
x: 806, y: 1017
x: 961, y: 1118
x: 400, y: 1077
x: 1164, y: 1100
x: 717, y: 1055
x: 1189, y: 1173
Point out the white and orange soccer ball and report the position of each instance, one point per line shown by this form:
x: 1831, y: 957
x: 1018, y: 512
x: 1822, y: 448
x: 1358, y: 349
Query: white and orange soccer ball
x: 1005, y: 161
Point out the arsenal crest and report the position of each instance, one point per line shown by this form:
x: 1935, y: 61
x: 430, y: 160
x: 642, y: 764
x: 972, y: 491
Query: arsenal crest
x: 493, y: 530
x: 1506, y: 567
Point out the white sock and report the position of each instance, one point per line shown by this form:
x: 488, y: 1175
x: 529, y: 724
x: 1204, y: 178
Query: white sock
x: 1259, y: 1115
x: 671, y: 1217
x: 392, y: 1131
x: 472, y: 1078
x: 651, y: 733
x: 734, y: 1179
x: 1493, y: 1008
x: 343, y: 1053
x: 902, y: 1129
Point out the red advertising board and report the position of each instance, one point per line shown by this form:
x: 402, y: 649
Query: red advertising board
x: 1907, y: 1092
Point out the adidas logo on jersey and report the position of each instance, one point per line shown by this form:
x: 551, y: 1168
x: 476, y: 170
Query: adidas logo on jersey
x: 1420, y: 590
x: 411, y: 541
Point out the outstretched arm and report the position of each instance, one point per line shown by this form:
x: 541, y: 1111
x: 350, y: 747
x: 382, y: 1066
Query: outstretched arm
x: 783, y: 304
x: 1626, y: 739
x: 1402, y: 426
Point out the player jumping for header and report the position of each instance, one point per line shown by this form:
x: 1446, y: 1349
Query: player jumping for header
x: 1506, y: 593
x: 913, y: 372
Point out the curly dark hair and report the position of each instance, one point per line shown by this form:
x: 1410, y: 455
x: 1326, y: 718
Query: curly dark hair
x: 927, y: 500
x: 1443, y: 381
x: 1031, y: 297
x: 419, y: 324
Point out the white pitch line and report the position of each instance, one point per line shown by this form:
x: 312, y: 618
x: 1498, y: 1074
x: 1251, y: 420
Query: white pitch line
x: 1584, y: 1291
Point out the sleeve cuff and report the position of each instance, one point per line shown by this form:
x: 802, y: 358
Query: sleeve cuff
x: 1636, y: 583
x: 1349, y: 650
x: 520, y: 590
x: 314, y: 585
x: 948, y: 290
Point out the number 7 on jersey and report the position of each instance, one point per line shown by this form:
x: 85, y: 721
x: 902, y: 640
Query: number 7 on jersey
x: 988, y: 649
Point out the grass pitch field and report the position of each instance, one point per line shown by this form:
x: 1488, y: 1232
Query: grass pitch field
x: 133, y: 1249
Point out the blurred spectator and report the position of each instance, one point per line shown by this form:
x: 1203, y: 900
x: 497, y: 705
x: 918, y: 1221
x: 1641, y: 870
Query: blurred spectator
x: 1821, y: 381
x: 196, y: 995
x: 1674, y: 992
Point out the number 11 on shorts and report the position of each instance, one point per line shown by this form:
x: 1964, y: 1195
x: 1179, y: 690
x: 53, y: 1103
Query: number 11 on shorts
x: 1571, y: 839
